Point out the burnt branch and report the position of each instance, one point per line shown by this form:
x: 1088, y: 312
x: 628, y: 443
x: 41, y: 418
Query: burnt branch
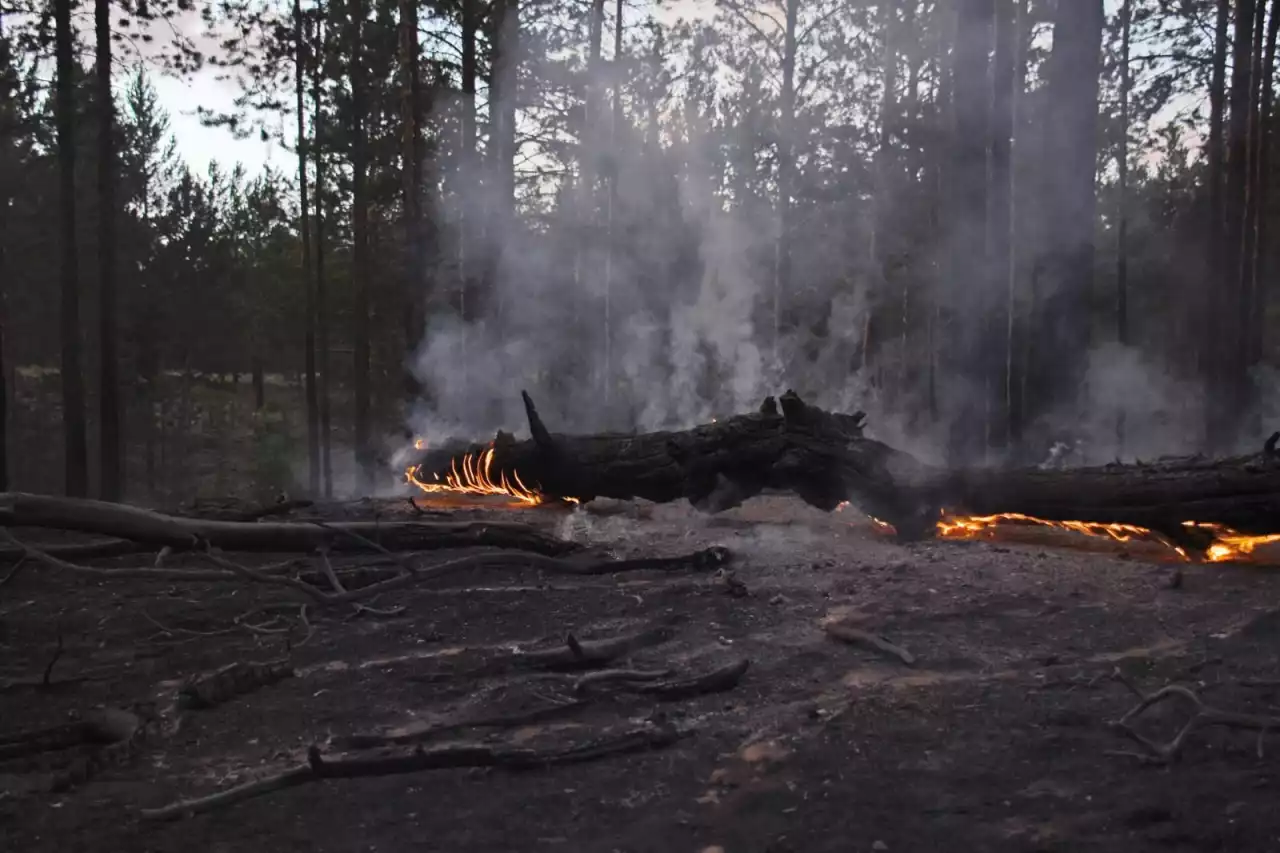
x: 438, y: 758
x: 858, y: 637
x: 1202, y: 716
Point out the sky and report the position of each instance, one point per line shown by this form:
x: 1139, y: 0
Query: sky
x: 200, y: 145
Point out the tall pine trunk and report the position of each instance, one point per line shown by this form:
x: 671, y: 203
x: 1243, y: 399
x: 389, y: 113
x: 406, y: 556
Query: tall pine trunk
x: 308, y: 284
x: 360, y: 251
x: 505, y: 75
x: 468, y: 184
x: 1000, y: 217
x: 322, y: 300
x: 1263, y: 178
x: 1227, y: 390
x: 8, y: 175
x: 109, y: 393
x: 1202, y: 305
x: 967, y: 381
x: 786, y: 170
x: 75, y: 441
x: 1122, y: 201
x: 1062, y: 326
x: 411, y: 154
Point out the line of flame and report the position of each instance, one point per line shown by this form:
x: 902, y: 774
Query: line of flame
x: 1227, y: 544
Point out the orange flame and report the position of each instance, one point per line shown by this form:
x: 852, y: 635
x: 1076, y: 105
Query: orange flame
x: 473, y: 476
x: 1226, y: 544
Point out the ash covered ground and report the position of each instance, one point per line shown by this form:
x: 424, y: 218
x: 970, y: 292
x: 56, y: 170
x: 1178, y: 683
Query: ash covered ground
x: 995, y: 737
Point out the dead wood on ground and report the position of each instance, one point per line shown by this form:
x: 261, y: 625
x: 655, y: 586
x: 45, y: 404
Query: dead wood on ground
x: 1202, y: 717
x: 857, y: 636
x: 156, y: 529
x: 423, y: 733
x: 438, y: 758
x: 825, y: 459
x: 227, y: 682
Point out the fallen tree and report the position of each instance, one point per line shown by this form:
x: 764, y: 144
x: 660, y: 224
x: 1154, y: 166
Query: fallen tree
x: 143, y: 526
x: 825, y: 459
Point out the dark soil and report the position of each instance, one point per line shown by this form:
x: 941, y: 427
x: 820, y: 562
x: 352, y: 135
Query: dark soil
x: 997, y: 738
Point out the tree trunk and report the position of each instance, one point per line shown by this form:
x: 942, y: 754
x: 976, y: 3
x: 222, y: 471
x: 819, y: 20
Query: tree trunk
x: 786, y: 170
x: 109, y: 393
x: 1202, y: 305
x: 1000, y: 217
x: 8, y: 173
x: 467, y: 228
x: 360, y: 251
x: 970, y: 367
x: 1122, y: 202
x: 411, y: 154
x: 1227, y: 388
x: 73, y: 414
x: 1067, y: 255
x: 503, y: 93
x: 1263, y: 180
x: 881, y: 225
x: 1242, y: 349
x: 322, y: 301
x: 308, y: 284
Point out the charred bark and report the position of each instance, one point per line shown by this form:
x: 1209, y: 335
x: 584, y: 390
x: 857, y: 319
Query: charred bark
x: 825, y: 459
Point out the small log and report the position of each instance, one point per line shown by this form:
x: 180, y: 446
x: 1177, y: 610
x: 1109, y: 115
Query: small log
x: 856, y: 636
x: 228, y: 682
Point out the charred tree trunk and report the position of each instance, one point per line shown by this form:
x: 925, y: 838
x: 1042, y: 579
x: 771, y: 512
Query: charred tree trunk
x: 108, y: 366
x: 883, y: 176
x: 73, y: 423
x: 308, y: 284
x: 825, y: 459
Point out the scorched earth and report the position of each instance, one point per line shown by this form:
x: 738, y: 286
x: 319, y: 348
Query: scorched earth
x: 934, y: 696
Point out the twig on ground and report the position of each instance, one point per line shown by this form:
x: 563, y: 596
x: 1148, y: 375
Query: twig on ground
x: 717, y: 680
x: 57, y: 653
x: 22, y: 561
x: 1202, y: 716
x: 447, y: 756
x: 373, y: 740
x: 857, y: 636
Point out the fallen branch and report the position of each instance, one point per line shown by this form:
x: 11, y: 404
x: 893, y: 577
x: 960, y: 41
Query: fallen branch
x: 1202, y: 716
x: 443, y: 757
x: 578, y: 654
x: 856, y: 636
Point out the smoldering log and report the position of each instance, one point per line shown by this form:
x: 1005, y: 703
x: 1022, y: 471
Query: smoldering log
x: 825, y: 459
x: 821, y: 456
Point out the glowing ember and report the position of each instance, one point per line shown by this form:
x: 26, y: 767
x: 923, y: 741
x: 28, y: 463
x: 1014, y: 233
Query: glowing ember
x: 473, y: 476
x: 1229, y: 544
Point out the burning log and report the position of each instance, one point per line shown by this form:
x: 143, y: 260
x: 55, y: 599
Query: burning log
x: 1218, y: 507
x: 821, y: 456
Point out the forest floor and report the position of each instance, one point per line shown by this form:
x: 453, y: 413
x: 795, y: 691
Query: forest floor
x: 995, y: 738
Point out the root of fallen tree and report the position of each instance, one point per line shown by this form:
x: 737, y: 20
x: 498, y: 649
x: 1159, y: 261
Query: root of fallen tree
x: 825, y: 459
x: 422, y: 759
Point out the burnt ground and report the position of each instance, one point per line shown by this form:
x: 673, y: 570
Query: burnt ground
x: 995, y: 739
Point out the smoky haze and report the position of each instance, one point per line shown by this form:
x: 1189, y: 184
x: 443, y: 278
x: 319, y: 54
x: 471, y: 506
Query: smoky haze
x: 653, y: 309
